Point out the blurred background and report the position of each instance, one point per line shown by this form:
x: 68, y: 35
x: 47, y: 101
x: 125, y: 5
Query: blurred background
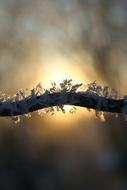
x: 50, y: 40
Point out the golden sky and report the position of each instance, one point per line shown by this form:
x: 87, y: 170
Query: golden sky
x: 51, y: 40
x: 46, y: 41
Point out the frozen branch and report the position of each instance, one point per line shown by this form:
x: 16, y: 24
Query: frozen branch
x: 91, y: 96
x: 82, y: 99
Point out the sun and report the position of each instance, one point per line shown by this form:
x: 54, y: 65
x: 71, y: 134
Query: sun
x: 56, y: 70
x: 59, y: 69
x: 55, y: 66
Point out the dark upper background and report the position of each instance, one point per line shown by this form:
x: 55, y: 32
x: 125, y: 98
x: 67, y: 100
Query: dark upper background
x: 46, y: 40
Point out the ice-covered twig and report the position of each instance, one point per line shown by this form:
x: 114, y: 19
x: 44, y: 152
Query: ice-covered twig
x: 95, y: 97
x: 82, y: 99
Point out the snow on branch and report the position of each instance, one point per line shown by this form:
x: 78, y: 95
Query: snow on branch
x: 90, y: 96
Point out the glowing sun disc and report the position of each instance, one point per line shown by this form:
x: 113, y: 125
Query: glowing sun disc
x: 57, y: 70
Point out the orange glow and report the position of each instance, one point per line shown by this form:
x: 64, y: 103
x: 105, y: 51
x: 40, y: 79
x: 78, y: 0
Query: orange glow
x: 56, y: 70
x: 58, y: 67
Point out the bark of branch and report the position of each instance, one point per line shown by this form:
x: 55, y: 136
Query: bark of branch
x: 82, y: 99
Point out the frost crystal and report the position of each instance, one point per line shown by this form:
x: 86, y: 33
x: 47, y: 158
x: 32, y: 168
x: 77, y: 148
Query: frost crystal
x: 103, y: 91
x: 39, y: 89
x: 16, y: 119
x: 73, y: 110
x: 65, y: 86
x: 100, y: 115
x: 106, y: 91
x: 53, y: 88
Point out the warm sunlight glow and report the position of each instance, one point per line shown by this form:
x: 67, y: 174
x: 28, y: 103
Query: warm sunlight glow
x: 67, y: 107
x: 56, y: 69
x: 60, y: 68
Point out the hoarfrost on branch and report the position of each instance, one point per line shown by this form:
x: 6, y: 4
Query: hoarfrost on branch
x: 91, y: 96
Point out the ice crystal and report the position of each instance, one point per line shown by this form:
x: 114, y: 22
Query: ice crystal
x: 114, y: 94
x: 89, y: 110
x: 39, y: 89
x: 65, y: 86
x: 42, y: 112
x: 75, y: 87
x: 20, y: 95
x: 2, y: 98
x: 53, y: 88
x: 16, y: 119
x: 62, y: 108
x: 92, y: 87
x: 73, y: 110
x: 28, y: 115
x: 33, y: 93
x: 104, y: 91
x: 100, y: 115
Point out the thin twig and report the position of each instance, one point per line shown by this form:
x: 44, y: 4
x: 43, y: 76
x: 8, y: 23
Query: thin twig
x: 82, y: 99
